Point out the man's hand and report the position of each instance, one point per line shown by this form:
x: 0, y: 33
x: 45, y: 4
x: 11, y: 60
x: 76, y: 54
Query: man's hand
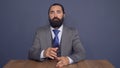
x: 62, y: 61
x: 51, y: 53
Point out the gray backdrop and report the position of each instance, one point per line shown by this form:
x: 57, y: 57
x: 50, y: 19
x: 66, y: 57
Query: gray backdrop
x: 98, y: 22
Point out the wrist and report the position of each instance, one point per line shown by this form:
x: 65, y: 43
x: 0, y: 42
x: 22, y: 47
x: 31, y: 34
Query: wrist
x: 67, y: 60
x: 70, y: 60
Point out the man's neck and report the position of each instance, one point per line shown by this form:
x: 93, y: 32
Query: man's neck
x: 57, y: 27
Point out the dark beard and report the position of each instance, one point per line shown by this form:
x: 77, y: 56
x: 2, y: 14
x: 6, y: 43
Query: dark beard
x: 56, y: 22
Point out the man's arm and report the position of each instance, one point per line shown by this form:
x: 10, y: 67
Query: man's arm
x: 35, y: 50
x: 78, y: 50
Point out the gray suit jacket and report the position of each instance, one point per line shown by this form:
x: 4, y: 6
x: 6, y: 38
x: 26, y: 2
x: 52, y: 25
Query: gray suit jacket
x: 70, y: 44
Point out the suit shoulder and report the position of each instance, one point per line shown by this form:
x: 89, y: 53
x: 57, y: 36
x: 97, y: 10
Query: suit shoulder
x: 43, y: 28
x: 71, y: 28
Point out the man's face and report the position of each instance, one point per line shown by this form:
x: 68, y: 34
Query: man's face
x: 56, y: 16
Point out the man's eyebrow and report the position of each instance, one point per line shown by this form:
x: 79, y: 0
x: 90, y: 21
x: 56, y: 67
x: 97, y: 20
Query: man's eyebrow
x: 58, y: 10
x: 51, y: 11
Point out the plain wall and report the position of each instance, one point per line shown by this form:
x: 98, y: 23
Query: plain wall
x: 98, y: 22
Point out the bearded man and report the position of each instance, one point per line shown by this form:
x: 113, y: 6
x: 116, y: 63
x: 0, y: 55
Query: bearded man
x: 57, y: 41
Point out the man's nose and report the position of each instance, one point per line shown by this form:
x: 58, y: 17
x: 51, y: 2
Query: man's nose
x: 55, y: 14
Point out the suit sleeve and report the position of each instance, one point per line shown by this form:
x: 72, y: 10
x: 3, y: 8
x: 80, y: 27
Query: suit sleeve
x: 35, y: 50
x: 78, y: 50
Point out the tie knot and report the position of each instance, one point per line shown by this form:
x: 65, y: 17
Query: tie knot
x: 56, y: 31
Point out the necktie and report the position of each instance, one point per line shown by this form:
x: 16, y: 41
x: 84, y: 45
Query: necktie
x: 56, y: 39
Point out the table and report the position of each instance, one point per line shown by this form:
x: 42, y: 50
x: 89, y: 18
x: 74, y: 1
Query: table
x: 52, y: 63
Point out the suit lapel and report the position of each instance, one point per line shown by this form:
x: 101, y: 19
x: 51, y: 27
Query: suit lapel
x: 63, y: 39
x: 48, y: 37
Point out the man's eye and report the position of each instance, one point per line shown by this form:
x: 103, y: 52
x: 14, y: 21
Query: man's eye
x: 51, y: 12
x: 58, y: 12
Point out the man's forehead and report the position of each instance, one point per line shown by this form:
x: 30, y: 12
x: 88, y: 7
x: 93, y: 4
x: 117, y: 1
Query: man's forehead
x: 56, y: 7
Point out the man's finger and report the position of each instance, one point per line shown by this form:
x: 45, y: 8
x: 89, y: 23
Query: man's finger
x: 59, y: 64
x: 58, y: 58
x: 54, y: 49
x: 54, y: 54
x: 51, y: 57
